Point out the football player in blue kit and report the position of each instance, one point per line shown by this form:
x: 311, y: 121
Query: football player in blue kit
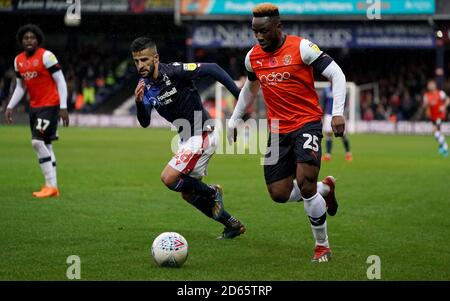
x: 328, y: 108
x: 170, y: 90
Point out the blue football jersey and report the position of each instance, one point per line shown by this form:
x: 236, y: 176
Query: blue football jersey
x: 174, y: 95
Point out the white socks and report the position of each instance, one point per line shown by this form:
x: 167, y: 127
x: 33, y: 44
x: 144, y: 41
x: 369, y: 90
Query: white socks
x: 296, y: 195
x: 45, y: 161
x: 323, y: 189
x: 315, y: 208
x: 52, y: 155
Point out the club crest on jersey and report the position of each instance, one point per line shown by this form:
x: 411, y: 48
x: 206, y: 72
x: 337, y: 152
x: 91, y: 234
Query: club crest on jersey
x: 287, y: 59
x: 167, y: 80
x: 189, y: 67
x: 35, y: 62
x: 273, y: 62
x: 154, y: 102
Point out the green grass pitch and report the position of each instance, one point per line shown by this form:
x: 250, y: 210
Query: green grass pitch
x: 394, y: 203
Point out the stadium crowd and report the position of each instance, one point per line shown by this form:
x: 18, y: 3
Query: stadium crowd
x: 401, y: 80
x: 93, y: 73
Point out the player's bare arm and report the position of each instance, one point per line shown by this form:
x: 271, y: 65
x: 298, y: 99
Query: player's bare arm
x: 8, y: 116
x: 338, y: 125
x: 64, y: 116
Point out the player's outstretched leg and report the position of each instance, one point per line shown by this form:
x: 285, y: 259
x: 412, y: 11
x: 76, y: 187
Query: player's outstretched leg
x: 315, y: 208
x: 206, y: 198
x: 330, y: 197
x: 326, y: 188
x: 233, y: 227
x: 45, y: 161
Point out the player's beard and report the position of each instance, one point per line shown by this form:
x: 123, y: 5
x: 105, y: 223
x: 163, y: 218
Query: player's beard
x: 151, y: 70
x: 147, y: 72
x: 272, y: 45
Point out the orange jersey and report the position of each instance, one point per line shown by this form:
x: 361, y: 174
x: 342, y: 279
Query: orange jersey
x: 287, y: 82
x: 435, y: 102
x: 36, y: 72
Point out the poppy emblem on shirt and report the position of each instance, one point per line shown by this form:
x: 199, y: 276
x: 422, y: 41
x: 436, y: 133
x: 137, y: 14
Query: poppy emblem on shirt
x: 287, y: 59
x: 273, y: 62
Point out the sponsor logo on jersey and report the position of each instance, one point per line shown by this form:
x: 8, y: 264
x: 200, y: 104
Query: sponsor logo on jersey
x: 287, y: 59
x: 260, y: 62
x: 153, y: 101
x: 274, y: 77
x: 29, y: 75
x: 189, y: 67
x: 164, y: 98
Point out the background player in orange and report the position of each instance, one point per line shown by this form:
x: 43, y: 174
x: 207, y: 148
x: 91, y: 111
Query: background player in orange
x: 435, y: 103
x: 39, y: 73
x: 282, y: 65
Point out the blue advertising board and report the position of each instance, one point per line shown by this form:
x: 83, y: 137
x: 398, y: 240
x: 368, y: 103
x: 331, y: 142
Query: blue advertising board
x: 330, y: 35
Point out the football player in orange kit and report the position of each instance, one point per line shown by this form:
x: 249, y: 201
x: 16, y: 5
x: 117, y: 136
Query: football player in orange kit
x: 282, y: 65
x: 435, y: 102
x: 39, y: 73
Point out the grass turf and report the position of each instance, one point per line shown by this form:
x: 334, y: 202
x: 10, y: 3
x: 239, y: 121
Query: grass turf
x: 394, y: 203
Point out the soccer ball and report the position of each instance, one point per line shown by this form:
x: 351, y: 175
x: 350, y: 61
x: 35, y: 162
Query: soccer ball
x: 170, y: 249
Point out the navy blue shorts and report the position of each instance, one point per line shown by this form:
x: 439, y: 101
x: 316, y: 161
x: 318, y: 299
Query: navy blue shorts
x: 300, y: 146
x: 44, y: 123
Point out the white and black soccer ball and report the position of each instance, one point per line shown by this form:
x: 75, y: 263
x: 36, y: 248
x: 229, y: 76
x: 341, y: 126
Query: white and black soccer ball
x: 170, y: 249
